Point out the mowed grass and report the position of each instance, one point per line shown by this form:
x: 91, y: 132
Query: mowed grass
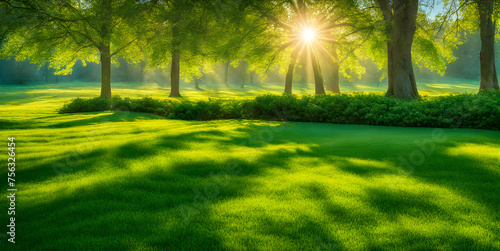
x: 134, y: 181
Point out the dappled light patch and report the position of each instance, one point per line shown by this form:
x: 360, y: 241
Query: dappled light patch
x: 484, y: 152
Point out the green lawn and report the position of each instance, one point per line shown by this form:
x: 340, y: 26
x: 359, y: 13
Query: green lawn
x: 134, y: 181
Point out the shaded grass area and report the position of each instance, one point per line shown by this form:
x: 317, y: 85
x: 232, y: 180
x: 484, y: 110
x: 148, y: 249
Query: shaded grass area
x: 133, y: 181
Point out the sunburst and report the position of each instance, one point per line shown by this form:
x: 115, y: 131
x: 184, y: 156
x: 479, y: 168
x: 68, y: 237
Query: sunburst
x: 308, y: 34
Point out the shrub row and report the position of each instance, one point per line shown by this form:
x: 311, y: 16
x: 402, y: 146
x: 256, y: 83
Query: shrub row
x: 453, y: 111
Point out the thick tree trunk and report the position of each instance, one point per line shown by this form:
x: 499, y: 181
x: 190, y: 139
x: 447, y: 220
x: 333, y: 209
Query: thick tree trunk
x: 334, y: 84
x: 226, y: 73
x: 104, y: 48
x: 289, y: 77
x: 402, y: 83
x: 175, y: 74
x: 318, y: 77
x: 489, y: 79
x: 289, y: 73
x: 175, y: 65
x: 105, y: 71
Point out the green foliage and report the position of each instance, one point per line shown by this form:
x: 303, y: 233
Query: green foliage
x: 480, y: 111
x: 63, y: 32
x: 187, y: 26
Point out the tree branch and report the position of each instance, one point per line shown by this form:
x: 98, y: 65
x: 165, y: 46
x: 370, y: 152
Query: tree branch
x: 123, y: 47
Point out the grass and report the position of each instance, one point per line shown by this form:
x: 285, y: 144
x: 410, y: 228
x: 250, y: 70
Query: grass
x: 134, y: 181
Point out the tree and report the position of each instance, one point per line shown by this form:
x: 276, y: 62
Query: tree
x: 351, y: 27
x: 240, y: 36
x: 400, y: 18
x: 324, y: 32
x: 226, y: 72
x: 301, y: 30
x: 177, y: 36
x: 296, y: 24
x: 468, y: 16
x: 64, y: 31
x: 409, y: 38
x: 489, y: 78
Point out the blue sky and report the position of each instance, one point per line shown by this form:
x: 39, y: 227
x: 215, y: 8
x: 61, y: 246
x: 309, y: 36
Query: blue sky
x: 438, y: 7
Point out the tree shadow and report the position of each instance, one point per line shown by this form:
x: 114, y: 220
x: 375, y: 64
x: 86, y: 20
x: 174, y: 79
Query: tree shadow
x: 144, y: 208
x: 173, y: 205
x: 68, y: 163
x: 395, y: 203
x: 11, y: 125
x: 337, y: 213
x: 115, y: 116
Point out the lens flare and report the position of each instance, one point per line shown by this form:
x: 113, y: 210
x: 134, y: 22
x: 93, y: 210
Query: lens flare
x: 308, y: 34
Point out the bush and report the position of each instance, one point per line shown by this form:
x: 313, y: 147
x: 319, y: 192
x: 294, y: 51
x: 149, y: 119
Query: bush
x: 86, y: 105
x: 480, y: 110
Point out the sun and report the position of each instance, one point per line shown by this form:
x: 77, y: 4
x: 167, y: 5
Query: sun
x: 308, y: 34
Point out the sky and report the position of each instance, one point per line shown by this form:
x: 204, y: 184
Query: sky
x: 436, y: 8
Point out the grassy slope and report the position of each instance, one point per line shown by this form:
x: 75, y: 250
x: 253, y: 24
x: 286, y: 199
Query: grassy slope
x: 136, y: 181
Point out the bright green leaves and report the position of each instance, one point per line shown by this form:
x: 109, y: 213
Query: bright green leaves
x: 431, y: 52
x: 64, y: 31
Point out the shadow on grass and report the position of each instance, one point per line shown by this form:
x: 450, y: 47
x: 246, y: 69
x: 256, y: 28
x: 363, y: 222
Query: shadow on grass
x: 115, y: 116
x: 141, y: 210
x: 11, y: 125
x: 73, y: 120
x: 395, y: 203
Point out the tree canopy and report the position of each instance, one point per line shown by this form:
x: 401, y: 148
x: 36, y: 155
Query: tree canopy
x: 186, y: 38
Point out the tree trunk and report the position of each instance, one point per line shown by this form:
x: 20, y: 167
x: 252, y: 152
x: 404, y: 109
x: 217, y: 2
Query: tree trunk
x: 226, y: 73
x: 318, y: 77
x: 386, y: 8
x: 142, y: 66
x: 289, y: 73
x: 105, y: 71
x: 390, y: 71
x: 334, y: 84
x: 174, y: 74
x: 495, y: 78
x: 487, y: 55
x: 402, y: 83
x: 197, y: 85
x: 175, y: 65
x: 19, y: 78
x: 105, y: 32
